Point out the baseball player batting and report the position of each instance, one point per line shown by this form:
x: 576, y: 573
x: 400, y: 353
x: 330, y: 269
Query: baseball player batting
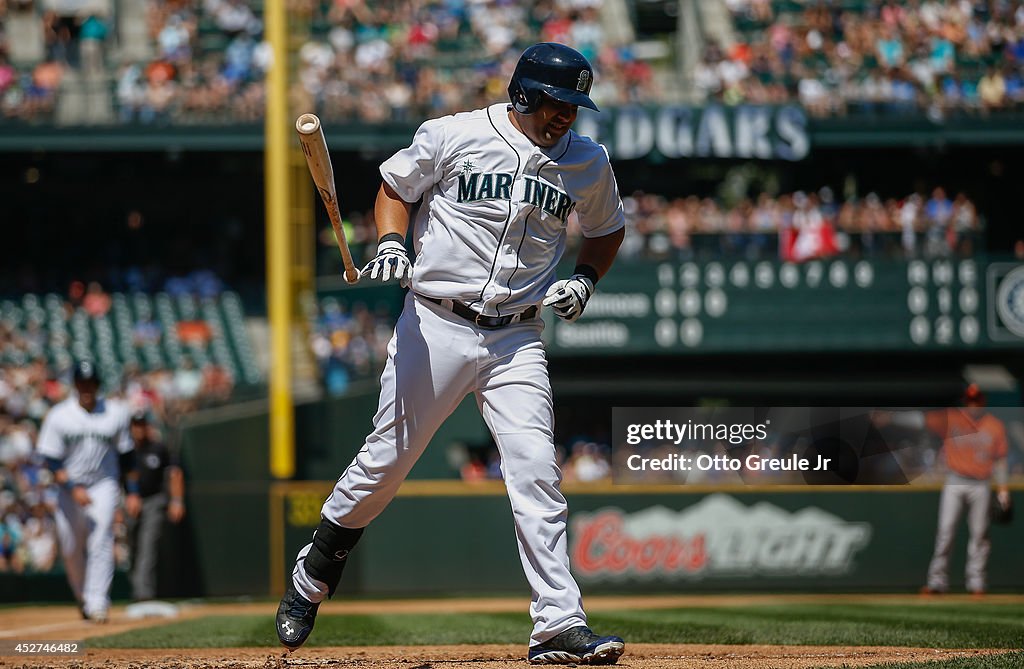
x: 85, y: 442
x: 491, y: 190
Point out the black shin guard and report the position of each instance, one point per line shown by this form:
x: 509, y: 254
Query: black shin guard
x: 326, y: 558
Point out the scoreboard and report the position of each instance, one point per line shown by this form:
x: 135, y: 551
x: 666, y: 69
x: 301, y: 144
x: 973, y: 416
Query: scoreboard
x: 821, y: 305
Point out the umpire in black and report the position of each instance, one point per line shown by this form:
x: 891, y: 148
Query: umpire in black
x: 162, y: 488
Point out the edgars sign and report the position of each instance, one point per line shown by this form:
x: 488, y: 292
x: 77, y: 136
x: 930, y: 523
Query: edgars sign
x: 715, y: 131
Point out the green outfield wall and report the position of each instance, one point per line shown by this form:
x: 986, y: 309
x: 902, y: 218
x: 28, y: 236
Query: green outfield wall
x: 442, y: 537
x: 222, y: 548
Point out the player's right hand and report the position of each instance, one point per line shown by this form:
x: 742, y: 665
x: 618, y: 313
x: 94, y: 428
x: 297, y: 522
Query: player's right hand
x: 568, y: 298
x: 391, y: 261
x: 81, y: 495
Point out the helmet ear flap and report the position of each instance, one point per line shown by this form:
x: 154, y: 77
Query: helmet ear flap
x: 524, y: 101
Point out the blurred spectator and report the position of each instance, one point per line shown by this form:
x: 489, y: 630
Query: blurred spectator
x: 188, y: 381
x: 8, y: 75
x: 232, y: 16
x: 131, y: 93
x: 588, y: 463
x: 96, y: 302
x: 992, y: 90
x: 217, y: 384
x: 92, y: 35
x: 40, y: 539
x: 475, y: 468
x: 349, y: 346
x: 10, y: 548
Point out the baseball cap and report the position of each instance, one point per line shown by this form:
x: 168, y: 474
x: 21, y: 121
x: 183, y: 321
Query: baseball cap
x: 85, y: 370
x: 139, y: 417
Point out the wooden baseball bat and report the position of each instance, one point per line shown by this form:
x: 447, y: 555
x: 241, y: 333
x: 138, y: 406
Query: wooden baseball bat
x: 311, y: 136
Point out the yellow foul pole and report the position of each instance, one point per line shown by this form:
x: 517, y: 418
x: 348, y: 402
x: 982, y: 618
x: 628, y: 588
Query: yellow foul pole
x: 279, y: 294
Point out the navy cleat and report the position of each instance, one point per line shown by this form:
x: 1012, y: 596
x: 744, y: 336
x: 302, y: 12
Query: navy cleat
x: 578, y: 645
x: 295, y: 618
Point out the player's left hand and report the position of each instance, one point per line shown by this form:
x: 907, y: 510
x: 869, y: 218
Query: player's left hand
x: 568, y: 297
x: 392, y: 260
x: 133, y: 505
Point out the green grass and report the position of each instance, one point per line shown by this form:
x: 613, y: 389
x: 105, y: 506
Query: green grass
x: 1001, y: 661
x: 955, y: 625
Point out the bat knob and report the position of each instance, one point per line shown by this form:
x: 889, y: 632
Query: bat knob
x: 307, y: 124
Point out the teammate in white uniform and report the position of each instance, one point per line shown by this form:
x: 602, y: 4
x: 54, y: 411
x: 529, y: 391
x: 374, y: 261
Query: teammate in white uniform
x: 495, y: 187
x: 82, y: 440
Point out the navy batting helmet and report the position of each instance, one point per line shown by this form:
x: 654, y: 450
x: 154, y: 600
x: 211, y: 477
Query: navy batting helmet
x: 555, y: 70
x: 85, y: 370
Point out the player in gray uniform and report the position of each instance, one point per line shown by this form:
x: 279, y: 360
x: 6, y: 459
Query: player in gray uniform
x: 85, y: 442
x: 492, y: 190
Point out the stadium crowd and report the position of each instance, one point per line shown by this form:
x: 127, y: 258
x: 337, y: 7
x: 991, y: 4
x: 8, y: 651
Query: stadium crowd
x: 349, y: 344
x: 794, y: 226
x: 582, y: 458
x: 374, y: 62
x: 877, y: 56
x: 196, y: 61
x: 801, y: 226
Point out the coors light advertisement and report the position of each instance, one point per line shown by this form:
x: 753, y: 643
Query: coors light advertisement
x: 717, y: 537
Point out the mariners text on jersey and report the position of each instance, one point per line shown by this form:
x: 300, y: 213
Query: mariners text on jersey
x: 498, y: 186
x: 500, y: 204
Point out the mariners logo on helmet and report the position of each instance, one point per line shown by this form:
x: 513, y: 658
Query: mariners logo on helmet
x: 581, y: 85
x: 85, y: 370
x: 551, y: 69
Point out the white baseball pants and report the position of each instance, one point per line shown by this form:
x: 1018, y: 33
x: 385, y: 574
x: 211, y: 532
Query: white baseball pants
x: 86, y: 536
x: 435, y: 359
x: 960, y: 494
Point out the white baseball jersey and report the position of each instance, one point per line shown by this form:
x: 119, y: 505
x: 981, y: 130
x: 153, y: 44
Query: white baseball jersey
x: 87, y: 443
x: 491, y: 227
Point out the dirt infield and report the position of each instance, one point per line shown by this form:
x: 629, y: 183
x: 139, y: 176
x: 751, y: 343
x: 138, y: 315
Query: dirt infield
x: 641, y: 656
x: 64, y: 622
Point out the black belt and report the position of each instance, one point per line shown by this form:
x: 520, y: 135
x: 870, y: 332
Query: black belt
x: 486, y: 322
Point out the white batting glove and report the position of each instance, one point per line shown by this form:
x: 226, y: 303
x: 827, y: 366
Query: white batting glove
x: 391, y: 260
x: 568, y: 297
